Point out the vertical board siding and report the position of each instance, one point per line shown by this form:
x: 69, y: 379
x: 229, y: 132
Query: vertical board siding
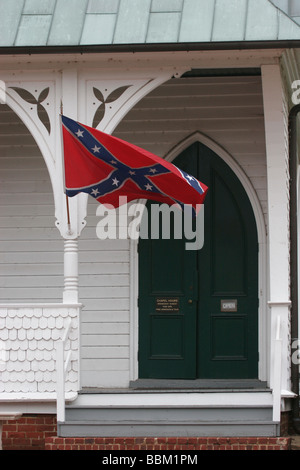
x: 31, y: 249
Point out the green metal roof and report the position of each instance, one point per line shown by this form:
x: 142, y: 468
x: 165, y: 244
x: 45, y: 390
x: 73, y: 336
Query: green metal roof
x: 290, y: 7
x: 103, y: 22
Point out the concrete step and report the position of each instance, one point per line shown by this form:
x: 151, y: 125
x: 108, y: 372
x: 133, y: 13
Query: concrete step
x: 121, y: 429
x: 162, y: 415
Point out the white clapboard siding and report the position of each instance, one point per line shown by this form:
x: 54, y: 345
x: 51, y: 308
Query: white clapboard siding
x: 31, y: 248
x: 104, y: 293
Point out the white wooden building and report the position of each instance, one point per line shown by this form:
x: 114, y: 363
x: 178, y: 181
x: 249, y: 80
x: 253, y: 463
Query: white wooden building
x: 175, y: 77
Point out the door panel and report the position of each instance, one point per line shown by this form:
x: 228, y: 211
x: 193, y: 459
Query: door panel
x: 167, y: 321
x: 228, y: 242
x: 167, y: 273
x: 225, y: 344
x: 198, y: 309
x: 228, y: 276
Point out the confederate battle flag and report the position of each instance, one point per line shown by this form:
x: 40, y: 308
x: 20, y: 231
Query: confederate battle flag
x: 107, y: 168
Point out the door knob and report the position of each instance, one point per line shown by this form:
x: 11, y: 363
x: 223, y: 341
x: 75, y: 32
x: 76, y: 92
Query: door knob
x: 190, y: 301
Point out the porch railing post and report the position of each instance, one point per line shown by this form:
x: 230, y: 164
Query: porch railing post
x: 61, y: 369
x: 277, y: 374
x: 60, y: 382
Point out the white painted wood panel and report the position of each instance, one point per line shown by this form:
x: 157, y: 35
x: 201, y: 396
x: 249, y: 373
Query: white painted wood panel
x: 105, y: 378
x: 104, y: 293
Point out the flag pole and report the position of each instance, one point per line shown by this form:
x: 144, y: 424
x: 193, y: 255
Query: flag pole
x: 68, y: 216
x: 67, y: 198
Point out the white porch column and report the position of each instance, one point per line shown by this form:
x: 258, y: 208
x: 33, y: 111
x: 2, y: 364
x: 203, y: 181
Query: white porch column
x: 76, y: 209
x: 70, y: 294
x: 278, y: 213
x: 2, y: 92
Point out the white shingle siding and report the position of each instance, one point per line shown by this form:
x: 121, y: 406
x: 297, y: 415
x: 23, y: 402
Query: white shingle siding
x: 28, y: 338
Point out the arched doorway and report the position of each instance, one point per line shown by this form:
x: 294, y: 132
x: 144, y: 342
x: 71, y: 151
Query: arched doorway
x: 212, y: 332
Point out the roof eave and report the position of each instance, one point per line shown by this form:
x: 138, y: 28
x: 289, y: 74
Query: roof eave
x: 153, y: 47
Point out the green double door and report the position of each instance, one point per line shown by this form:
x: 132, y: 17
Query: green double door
x: 198, y: 309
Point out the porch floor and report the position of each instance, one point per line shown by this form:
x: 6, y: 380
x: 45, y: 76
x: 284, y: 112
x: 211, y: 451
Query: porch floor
x: 199, y: 385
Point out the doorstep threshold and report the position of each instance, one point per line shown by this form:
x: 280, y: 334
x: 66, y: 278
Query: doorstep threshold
x: 183, y: 386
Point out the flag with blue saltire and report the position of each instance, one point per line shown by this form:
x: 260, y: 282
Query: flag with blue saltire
x: 108, y: 168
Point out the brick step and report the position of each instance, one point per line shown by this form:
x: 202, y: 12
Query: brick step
x: 167, y: 443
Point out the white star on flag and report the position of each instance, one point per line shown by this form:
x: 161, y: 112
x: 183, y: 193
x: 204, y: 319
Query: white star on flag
x: 96, y: 149
x: 95, y: 192
x: 79, y: 133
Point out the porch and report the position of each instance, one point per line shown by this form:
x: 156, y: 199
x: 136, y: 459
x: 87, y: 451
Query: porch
x: 36, y: 342
x: 41, y: 368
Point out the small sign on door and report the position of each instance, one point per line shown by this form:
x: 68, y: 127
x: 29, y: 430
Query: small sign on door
x: 167, y: 304
x: 229, y: 305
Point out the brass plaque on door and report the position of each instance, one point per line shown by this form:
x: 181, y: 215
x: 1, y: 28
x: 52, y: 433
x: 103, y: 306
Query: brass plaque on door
x: 167, y: 304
